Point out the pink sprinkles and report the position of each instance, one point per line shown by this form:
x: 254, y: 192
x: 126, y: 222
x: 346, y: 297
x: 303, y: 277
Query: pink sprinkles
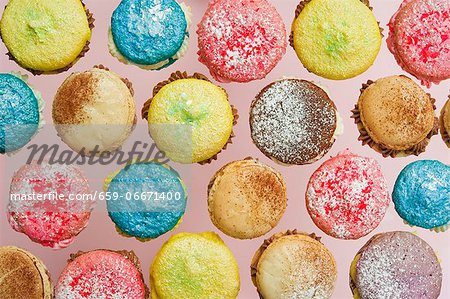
x: 241, y: 40
x: 347, y: 196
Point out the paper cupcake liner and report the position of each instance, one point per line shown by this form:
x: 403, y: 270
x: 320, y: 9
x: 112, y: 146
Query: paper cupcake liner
x: 183, y: 75
x: 129, y: 255
x: 91, y: 20
x: 365, y: 138
x: 444, y: 133
x: 266, y: 243
x: 439, y: 229
x: 302, y: 5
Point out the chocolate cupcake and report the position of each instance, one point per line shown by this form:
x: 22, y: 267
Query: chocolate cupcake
x: 46, y: 37
x: 395, y: 116
x: 445, y: 123
x: 294, y: 122
x: 396, y: 265
x: 190, y: 118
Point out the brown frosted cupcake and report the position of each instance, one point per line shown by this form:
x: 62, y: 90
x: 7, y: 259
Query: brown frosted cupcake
x: 94, y: 111
x: 395, y: 116
x: 293, y: 264
x: 190, y: 118
x: 294, y: 122
x: 445, y: 123
x: 102, y: 273
x: 246, y: 199
x: 23, y: 275
x: 44, y: 36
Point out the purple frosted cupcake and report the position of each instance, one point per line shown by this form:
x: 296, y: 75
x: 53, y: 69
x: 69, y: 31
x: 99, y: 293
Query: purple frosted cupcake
x: 396, y: 265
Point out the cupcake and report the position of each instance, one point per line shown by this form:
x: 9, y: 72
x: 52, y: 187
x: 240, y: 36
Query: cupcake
x: 396, y: 265
x: 45, y: 205
x: 94, y: 111
x: 395, y: 117
x: 246, y: 199
x: 294, y: 122
x: 20, y: 113
x: 419, y: 39
x: 336, y: 39
x: 241, y: 41
x: 445, y: 123
x: 149, y: 199
x: 45, y: 36
x: 149, y: 34
x: 190, y: 118
x: 293, y: 265
x: 194, y: 266
x: 422, y: 195
x: 22, y: 275
x: 102, y: 274
x: 347, y: 196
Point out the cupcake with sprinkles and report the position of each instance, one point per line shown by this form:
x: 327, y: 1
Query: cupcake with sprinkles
x: 336, y: 39
x: 151, y: 200
x: 422, y: 195
x: 445, y: 123
x: 347, y: 197
x: 46, y: 36
x: 396, y: 265
x: 241, y: 41
x: 102, y: 274
x: 150, y: 34
x: 190, y: 118
x: 42, y: 203
x: 294, y: 122
x: 419, y: 38
x: 20, y: 113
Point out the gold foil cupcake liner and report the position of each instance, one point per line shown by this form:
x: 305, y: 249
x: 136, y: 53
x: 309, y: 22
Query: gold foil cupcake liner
x: 178, y: 75
x: 365, y: 138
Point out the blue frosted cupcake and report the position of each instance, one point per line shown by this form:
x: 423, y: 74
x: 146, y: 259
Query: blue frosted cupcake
x: 146, y: 200
x: 422, y: 195
x: 151, y: 34
x: 20, y: 112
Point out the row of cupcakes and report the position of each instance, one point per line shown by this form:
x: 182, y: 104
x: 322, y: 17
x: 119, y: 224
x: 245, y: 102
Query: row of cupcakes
x: 238, y: 41
x: 289, y: 264
x: 346, y: 197
x: 292, y: 121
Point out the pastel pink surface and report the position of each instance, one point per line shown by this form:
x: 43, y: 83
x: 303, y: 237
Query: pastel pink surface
x: 51, y: 223
x: 101, y: 233
x: 347, y: 196
x: 419, y: 38
x: 100, y: 274
x: 241, y: 41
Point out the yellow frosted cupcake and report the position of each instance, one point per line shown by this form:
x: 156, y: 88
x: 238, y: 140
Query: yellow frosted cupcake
x: 194, y: 266
x: 46, y: 36
x: 336, y: 39
x: 190, y: 118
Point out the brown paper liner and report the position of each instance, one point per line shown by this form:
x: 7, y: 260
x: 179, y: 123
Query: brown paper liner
x: 266, y: 243
x: 445, y: 134
x: 91, y: 20
x: 183, y: 75
x: 124, y: 80
x: 365, y: 138
x: 129, y: 255
x: 302, y: 5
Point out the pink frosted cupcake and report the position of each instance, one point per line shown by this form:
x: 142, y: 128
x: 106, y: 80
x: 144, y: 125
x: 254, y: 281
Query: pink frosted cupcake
x: 419, y: 38
x: 241, y: 41
x: 42, y: 203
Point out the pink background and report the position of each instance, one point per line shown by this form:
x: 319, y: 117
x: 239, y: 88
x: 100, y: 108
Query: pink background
x: 101, y: 234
